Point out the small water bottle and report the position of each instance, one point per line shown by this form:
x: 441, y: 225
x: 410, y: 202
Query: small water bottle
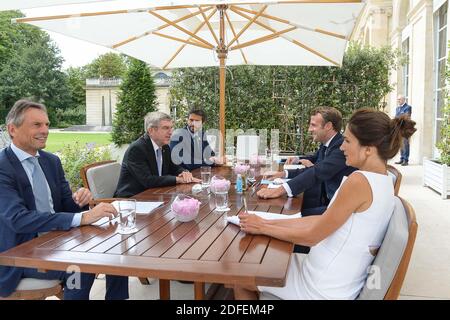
x: 239, y: 184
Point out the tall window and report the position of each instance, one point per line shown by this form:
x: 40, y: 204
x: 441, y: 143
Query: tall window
x: 405, y: 69
x: 440, y: 61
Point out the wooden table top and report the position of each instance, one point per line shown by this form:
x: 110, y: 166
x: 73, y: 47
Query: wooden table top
x: 204, y: 250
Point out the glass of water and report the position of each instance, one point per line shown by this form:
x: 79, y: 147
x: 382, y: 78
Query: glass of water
x: 220, y: 187
x: 221, y: 199
x: 206, y: 176
x: 230, y: 155
x: 127, y: 216
x: 251, y: 177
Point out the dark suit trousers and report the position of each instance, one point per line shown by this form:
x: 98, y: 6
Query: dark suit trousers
x: 116, y: 286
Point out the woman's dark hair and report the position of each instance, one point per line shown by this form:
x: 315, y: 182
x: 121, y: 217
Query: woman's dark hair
x: 375, y: 128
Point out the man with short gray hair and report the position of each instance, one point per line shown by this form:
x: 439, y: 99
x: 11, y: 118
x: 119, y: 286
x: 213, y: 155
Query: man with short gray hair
x: 36, y: 198
x: 147, y: 162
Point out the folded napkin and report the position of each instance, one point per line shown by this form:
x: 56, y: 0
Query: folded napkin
x: 265, y: 215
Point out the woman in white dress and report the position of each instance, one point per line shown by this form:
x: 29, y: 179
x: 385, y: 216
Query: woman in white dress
x: 345, y: 238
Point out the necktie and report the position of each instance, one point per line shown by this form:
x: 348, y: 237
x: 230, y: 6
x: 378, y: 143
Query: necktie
x: 323, y: 192
x: 159, y: 160
x: 40, y: 191
x: 197, y: 150
x: 322, y: 151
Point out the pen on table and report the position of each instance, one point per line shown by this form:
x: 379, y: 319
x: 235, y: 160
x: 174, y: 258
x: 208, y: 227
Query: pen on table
x: 245, y: 205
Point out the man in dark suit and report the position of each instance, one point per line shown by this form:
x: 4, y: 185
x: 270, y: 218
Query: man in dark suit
x: 323, y: 171
x: 189, y: 146
x: 403, y: 110
x: 35, y: 198
x: 147, y: 162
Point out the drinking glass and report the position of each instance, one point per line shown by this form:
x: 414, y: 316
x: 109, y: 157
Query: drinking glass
x: 230, y: 155
x: 220, y: 187
x: 221, y: 199
x: 127, y: 216
x: 251, y: 177
x: 206, y: 176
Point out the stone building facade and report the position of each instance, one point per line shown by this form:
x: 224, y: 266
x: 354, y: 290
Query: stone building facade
x: 101, y: 98
x: 419, y: 29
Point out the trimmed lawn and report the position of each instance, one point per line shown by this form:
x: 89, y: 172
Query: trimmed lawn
x: 56, y: 140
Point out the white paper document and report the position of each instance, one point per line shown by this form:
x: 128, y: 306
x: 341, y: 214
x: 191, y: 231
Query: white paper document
x: 266, y: 215
x: 293, y: 166
x: 147, y: 206
x: 142, y: 207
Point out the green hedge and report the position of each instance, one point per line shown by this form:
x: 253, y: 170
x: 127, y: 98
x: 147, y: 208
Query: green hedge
x: 3, y: 114
x: 279, y: 97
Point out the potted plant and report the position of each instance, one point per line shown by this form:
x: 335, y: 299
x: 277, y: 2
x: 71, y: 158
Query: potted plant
x: 436, y: 173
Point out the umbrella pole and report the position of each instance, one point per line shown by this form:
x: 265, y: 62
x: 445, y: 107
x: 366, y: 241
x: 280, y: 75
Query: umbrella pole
x: 222, y: 76
x: 222, y: 52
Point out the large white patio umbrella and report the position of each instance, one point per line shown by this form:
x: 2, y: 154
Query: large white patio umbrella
x: 24, y: 4
x: 198, y: 33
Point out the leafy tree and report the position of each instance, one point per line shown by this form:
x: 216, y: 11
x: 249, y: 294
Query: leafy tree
x: 30, y: 66
x: 136, y: 98
x: 108, y: 65
x: 76, y: 81
x: 35, y: 72
x: 444, y: 142
x: 14, y: 36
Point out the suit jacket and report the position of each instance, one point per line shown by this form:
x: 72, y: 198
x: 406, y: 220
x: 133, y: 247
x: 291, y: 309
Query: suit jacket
x: 329, y: 170
x: 404, y: 109
x: 139, y: 170
x: 19, y: 220
x: 182, y: 147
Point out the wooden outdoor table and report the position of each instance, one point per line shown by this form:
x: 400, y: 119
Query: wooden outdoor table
x: 206, y: 250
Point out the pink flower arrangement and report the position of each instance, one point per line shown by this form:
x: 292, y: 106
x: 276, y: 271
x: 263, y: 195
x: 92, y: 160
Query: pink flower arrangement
x: 219, y: 184
x: 185, y: 208
x: 254, y: 159
x: 241, y: 168
x: 261, y: 159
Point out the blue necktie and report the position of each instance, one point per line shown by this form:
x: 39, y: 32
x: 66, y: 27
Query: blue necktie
x: 40, y: 191
x: 322, y: 151
x: 159, y: 160
x: 323, y: 191
x: 198, y: 156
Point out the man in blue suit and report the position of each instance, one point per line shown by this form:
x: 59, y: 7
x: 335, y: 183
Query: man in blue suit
x: 189, y: 146
x: 323, y: 171
x: 35, y: 198
x: 403, y: 110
